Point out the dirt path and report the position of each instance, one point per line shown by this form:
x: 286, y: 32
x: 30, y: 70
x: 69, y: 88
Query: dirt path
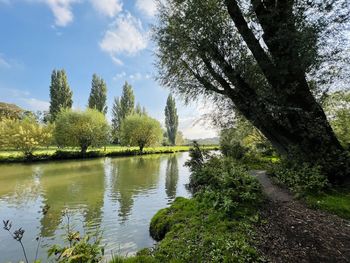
x: 294, y: 233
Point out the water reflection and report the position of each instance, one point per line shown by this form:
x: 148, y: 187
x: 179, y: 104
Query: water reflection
x: 133, y: 176
x: 74, y: 186
x: 118, y: 195
x: 172, y: 176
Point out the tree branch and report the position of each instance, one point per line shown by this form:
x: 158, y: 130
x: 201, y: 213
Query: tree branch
x: 263, y: 60
x: 203, y: 81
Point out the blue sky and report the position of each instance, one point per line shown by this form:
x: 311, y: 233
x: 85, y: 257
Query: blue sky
x: 107, y: 37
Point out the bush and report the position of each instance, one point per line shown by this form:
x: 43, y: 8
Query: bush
x: 301, y: 179
x: 140, y: 130
x: 26, y: 135
x: 225, y: 185
x: 81, y: 129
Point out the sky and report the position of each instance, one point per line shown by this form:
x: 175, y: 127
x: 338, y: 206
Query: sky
x: 108, y: 37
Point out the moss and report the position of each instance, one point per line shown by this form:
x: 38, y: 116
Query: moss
x: 166, y: 218
x: 190, y: 231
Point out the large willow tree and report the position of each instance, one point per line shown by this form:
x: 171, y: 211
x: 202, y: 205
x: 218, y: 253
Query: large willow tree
x: 266, y: 57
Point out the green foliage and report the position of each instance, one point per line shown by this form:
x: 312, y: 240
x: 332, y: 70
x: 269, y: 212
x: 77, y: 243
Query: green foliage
x: 79, y: 249
x: 225, y: 184
x: 336, y: 201
x: 81, y: 129
x: 337, y: 107
x: 52, y: 153
x: 26, y: 135
x: 193, y: 231
x: 98, y: 94
x: 171, y: 119
x: 300, y: 178
x: 197, y: 157
x: 122, y: 107
x: 209, y: 49
x: 215, y: 225
x: 243, y: 139
x: 60, y: 93
x: 140, y: 130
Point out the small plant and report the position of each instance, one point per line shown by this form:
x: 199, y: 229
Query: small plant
x: 17, y: 235
x: 301, y: 179
x: 80, y: 249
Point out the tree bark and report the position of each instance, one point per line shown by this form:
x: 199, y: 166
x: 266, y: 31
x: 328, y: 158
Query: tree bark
x: 83, y: 150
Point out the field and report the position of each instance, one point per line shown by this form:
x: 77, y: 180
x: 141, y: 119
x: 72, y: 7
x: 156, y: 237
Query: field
x: 54, y: 153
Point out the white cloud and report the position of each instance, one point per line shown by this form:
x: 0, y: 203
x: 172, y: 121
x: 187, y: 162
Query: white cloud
x: 24, y: 99
x: 108, y: 7
x: 192, y: 128
x: 136, y: 76
x: 35, y: 104
x: 118, y: 76
x: 62, y: 10
x: 117, y: 61
x: 192, y: 122
x: 125, y: 36
x: 148, y: 7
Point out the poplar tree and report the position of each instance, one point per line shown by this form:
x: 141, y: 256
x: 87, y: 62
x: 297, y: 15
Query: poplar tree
x: 98, y: 94
x: 60, y: 93
x: 122, y: 108
x: 171, y: 119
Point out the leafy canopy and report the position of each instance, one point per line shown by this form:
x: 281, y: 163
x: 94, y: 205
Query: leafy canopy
x: 81, y: 129
x: 141, y: 130
x: 60, y: 93
x: 337, y: 107
x: 98, y: 94
x: 26, y: 135
x: 123, y: 107
x: 171, y: 119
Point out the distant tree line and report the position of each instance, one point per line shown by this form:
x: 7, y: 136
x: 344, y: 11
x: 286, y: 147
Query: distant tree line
x: 62, y: 126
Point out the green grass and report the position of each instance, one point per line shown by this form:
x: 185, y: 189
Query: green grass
x: 191, y: 231
x: 335, y: 201
x: 53, y: 153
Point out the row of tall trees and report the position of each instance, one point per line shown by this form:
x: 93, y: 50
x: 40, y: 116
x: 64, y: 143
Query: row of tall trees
x: 61, y: 95
x: 131, y: 124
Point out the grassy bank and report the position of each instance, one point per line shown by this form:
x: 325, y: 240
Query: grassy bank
x: 216, y: 225
x: 335, y: 201
x: 53, y: 153
x: 310, y: 186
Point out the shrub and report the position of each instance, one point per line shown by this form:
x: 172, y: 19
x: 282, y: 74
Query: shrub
x: 81, y: 129
x: 302, y: 178
x: 140, y: 130
x: 79, y: 249
x: 26, y: 135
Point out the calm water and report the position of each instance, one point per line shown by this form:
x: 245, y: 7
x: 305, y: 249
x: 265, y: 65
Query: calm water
x: 119, y: 196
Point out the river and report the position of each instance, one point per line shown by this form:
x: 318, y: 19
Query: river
x: 117, y: 196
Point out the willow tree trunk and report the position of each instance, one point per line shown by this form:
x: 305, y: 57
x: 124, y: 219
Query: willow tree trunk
x: 290, y: 118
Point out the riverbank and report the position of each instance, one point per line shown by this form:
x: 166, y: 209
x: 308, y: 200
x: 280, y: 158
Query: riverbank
x: 232, y: 219
x: 53, y: 153
x: 216, y: 225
